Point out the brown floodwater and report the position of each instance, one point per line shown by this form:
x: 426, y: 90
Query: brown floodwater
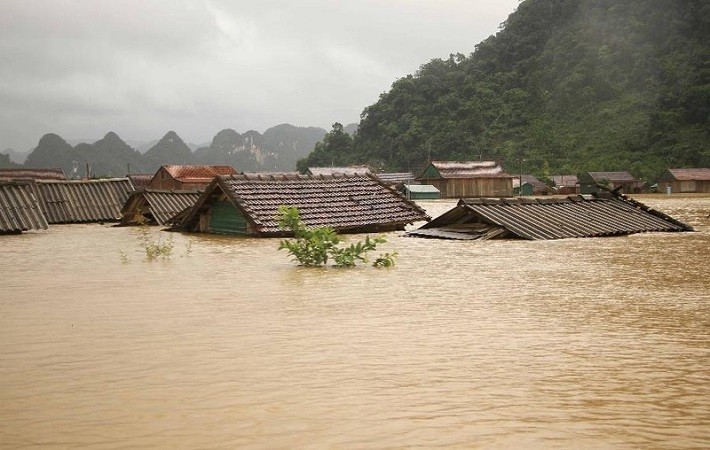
x: 580, y: 343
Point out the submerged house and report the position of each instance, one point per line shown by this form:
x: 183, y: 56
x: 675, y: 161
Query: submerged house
x: 420, y: 192
x: 554, y: 218
x: 685, y: 180
x: 187, y: 177
x: 565, y: 184
x: 589, y: 182
x: 396, y: 179
x: 529, y: 185
x: 246, y: 205
x: 19, y: 209
x: 468, y: 179
x: 83, y: 201
x: 156, y: 207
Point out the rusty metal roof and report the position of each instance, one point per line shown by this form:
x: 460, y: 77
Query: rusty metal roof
x: 700, y: 174
x: 357, y: 202
x: 140, y: 180
x: 32, y: 174
x: 19, y: 209
x: 197, y: 173
x: 537, y: 219
x: 162, y: 205
x: 79, y: 201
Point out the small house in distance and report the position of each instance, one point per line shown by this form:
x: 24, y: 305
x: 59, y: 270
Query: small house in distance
x: 589, y: 182
x: 245, y: 205
x: 187, y: 177
x: 529, y: 185
x: 468, y: 179
x: 579, y: 216
x: 156, y: 207
x: 396, y: 179
x: 19, y: 209
x: 421, y: 192
x: 140, y: 180
x: 685, y: 180
x: 565, y: 184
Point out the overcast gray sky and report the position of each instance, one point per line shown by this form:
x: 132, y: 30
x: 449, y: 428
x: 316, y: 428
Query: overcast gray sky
x: 81, y: 68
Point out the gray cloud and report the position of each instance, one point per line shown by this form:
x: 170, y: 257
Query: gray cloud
x: 80, y: 68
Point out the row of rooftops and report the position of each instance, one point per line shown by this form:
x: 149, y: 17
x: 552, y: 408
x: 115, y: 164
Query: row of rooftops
x: 351, y: 202
x: 445, y: 169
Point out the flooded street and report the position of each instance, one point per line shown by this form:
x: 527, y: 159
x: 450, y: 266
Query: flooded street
x: 584, y: 343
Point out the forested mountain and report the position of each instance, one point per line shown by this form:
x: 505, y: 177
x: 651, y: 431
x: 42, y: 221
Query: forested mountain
x: 277, y: 149
x: 564, y: 86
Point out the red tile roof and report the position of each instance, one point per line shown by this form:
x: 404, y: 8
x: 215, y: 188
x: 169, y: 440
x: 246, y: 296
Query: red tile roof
x: 198, y: 174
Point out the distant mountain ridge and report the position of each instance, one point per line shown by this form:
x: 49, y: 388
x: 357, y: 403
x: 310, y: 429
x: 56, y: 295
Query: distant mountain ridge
x: 277, y: 149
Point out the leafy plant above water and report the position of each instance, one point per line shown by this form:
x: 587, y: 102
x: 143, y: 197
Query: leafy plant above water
x: 315, y: 246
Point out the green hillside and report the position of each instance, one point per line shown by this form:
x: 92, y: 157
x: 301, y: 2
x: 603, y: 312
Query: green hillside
x: 564, y: 86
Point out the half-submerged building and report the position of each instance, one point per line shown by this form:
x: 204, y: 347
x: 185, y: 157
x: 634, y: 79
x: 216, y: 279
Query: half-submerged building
x: 249, y: 205
x: 19, y: 209
x: 554, y: 218
x: 456, y: 179
x: 155, y: 206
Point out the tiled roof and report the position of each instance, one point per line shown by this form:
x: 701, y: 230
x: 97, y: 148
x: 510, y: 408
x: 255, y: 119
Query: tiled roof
x: 78, y: 201
x: 354, y: 170
x: 619, y: 177
x: 198, y: 174
x: 32, y: 174
x: 700, y: 174
x: 470, y: 169
x: 162, y: 205
x: 341, y: 202
x: 536, y: 219
x: 19, y: 209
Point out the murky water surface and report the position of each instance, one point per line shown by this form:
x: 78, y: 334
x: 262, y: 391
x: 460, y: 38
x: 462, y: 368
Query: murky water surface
x: 584, y: 343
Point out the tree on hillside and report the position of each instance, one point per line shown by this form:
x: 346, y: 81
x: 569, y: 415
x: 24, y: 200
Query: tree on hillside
x: 336, y: 148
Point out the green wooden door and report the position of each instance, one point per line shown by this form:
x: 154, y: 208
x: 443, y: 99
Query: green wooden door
x: 226, y: 219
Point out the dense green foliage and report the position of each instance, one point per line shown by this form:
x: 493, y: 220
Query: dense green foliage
x: 565, y: 86
x: 315, y: 246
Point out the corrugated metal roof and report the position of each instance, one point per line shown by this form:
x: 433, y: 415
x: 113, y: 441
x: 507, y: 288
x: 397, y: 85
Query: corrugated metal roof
x: 19, y: 209
x: 392, y: 178
x: 160, y: 204
x: 470, y: 169
x: 342, y: 202
x: 536, y: 219
x: 32, y: 174
x: 79, y: 201
x: 198, y: 173
x: 700, y: 174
